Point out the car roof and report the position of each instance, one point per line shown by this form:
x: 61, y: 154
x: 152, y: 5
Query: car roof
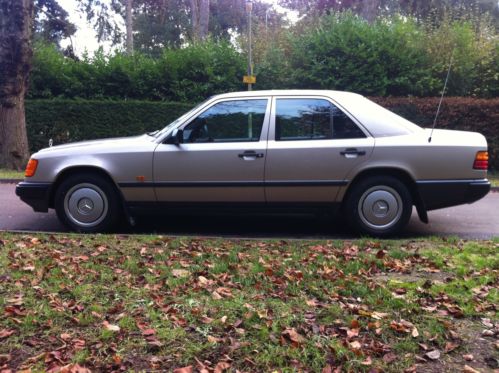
x: 291, y: 92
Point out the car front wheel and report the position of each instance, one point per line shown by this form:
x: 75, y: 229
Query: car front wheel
x: 379, y: 206
x: 87, y: 203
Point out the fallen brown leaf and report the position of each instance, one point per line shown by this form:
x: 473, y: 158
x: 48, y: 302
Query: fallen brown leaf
x: 468, y: 369
x: 293, y: 336
x: 4, y: 333
x: 221, y: 366
x: 433, y: 355
x: 450, y: 346
x: 179, y: 273
x: 187, y: 369
x: 415, y: 332
x: 111, y: 327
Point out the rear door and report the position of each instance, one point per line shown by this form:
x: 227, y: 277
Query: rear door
x: 312, y: 146
x: 222, y: 157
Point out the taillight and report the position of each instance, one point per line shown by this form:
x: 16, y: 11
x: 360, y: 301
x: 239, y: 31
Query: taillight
x: 481, y: 161
x: 31, y: 167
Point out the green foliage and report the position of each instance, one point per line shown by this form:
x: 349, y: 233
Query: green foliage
x: 345, y: 52
x: 394, y: 56
x: 202, y: 70
x: 186, y: 74
x: 75, y: 120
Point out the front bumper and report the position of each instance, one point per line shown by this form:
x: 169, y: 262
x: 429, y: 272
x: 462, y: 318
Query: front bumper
x: 437, y: 194
x: 37, y: 195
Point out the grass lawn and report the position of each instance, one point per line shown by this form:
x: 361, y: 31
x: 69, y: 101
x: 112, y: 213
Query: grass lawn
x: 494, y: 178
x: 136, y: 303
x: 10, y: 174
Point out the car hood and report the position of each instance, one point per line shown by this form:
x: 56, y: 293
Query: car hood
x: 101, y: 144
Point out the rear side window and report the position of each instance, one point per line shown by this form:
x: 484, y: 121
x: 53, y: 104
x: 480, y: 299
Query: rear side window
x: 228, y: 121
x: 312, y: 119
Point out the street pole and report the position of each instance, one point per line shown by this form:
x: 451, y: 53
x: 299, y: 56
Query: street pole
x: 249, y: 9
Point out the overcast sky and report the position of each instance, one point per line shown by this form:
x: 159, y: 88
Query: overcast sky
x: 85, y: 37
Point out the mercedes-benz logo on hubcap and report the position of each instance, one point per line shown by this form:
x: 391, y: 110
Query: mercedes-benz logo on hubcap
x: 85, y: 205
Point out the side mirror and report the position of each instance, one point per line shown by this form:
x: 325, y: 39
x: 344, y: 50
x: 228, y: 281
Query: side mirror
x: 176, y: 137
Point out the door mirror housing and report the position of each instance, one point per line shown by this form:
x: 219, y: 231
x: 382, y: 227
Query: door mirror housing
x: 176, y: 137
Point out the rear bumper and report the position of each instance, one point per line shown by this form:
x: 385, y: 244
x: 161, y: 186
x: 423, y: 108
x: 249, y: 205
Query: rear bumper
x: 437, y: 194
x: 37, y: 195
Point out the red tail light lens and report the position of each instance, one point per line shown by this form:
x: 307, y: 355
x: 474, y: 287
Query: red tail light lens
x: 481, y: 161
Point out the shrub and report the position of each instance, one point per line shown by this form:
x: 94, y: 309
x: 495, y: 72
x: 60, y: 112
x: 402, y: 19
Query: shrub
x: 393, y: 56
x: 345, y: 52
x: 187, y: 74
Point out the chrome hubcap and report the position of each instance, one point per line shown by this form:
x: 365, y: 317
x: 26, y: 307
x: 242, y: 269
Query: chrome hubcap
x: 85, y: 205
x: 380, y: 207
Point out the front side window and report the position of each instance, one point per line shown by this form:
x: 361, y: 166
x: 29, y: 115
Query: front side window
x: 312, y: 119
x: 228, y: 121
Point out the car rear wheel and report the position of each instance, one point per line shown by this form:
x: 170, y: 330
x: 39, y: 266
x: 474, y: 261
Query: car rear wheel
x: 87, y: 203
x: 379, y: 206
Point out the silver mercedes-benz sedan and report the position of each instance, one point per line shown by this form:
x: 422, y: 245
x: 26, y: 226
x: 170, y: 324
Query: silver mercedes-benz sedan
x: 316, y: 150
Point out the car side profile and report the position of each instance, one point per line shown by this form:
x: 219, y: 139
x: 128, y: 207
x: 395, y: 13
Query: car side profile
x: 291, y: 149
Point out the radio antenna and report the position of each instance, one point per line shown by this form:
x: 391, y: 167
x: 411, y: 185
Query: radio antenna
x: 441, y: 97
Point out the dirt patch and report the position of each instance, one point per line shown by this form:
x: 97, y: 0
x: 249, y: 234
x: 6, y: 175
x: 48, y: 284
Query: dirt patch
x: 476, y: 350
x: 415, y: 276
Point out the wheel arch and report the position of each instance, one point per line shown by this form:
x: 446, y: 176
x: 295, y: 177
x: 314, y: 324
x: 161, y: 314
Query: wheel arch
x: 73, y: 170
x: 399, y: 174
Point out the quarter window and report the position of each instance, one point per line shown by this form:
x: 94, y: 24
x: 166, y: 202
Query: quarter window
x: 312, y: 119
x: 228, y: 121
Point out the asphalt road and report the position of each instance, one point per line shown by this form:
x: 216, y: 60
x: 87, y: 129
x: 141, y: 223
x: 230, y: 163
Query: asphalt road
x: 476, y: 221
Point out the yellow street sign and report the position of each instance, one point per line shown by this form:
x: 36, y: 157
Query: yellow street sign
x: 249, y: 79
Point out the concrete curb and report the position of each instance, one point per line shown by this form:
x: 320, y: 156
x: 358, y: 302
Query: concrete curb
x: 15, y: 181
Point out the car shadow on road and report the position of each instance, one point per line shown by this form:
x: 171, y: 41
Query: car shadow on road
x: 249, y: 226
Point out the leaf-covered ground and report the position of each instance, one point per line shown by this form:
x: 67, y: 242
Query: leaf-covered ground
x: 74, y: 303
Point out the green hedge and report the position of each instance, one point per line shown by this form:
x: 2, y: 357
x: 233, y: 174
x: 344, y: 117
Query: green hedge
x: 394, y: 56
x: 74, y: 120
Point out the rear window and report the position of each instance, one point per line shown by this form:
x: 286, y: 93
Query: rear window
x: 380, y: 122
x: 312, y: 119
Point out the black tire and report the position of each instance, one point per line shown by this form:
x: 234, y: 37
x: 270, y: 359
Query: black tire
x: 378, y: 206
x: 87, y: 203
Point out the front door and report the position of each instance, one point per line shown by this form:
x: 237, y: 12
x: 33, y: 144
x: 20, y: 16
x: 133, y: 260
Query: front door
x: 222, y: 156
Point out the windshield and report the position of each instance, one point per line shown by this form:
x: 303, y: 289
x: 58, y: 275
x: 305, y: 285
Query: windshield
x: 176, y: 122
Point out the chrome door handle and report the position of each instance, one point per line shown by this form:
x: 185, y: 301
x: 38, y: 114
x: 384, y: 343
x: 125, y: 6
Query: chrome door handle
x: 250, y: 154
x: 352, y: 153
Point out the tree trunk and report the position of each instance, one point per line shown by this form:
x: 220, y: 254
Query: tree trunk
x: 16, y: 18
x: 195, y: 19
x: 204, y: 17
x: 200, y: 16
x: 369, y: 10
x: 129, y: 27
